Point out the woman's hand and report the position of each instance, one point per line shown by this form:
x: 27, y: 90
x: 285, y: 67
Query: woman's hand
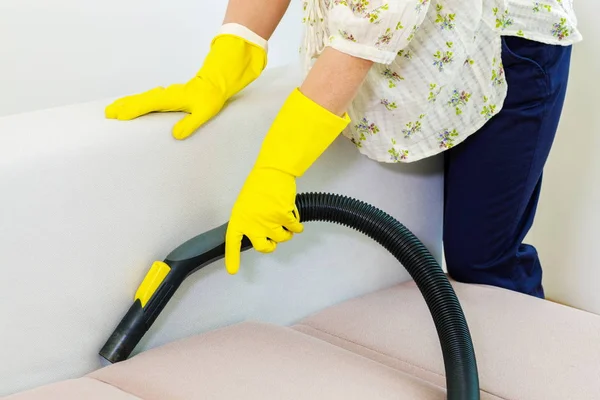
x: 265, y: 209
x: 231, y: 65
x: 199, y: 98
x: 309, y: 121
x: 265, y: 212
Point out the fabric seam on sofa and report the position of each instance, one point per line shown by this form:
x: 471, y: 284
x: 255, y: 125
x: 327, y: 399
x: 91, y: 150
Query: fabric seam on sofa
x: 370, y: 349
x: 391, y: 357
x: 114, y: 386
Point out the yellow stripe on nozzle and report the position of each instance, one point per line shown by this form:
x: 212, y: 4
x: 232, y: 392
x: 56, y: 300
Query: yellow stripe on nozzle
x: 154, y: 277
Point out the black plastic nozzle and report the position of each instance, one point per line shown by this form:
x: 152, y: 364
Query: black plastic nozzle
x: 126, y: 336
x: 186, y: 259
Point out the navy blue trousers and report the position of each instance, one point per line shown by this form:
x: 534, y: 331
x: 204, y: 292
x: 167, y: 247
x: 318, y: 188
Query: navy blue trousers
x: 493, y: 178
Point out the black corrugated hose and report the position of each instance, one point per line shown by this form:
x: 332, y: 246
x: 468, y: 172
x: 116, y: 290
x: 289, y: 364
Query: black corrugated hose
x: 462, y: 380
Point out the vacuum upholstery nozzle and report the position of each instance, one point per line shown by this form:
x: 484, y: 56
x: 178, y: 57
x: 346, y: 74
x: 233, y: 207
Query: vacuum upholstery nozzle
x: 159, y: 285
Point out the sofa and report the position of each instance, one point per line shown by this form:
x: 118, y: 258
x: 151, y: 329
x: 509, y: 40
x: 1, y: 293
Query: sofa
x: 90, y: 203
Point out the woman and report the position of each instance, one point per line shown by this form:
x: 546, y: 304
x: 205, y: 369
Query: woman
x: 482, y: 80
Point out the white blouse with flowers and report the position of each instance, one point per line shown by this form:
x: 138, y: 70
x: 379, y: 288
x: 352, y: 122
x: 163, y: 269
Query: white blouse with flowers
x: 438, y: 74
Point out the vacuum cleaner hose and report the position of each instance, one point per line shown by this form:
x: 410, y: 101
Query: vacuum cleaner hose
x: 462, y: 382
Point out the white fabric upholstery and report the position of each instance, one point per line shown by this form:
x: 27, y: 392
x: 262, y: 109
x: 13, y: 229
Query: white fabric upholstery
x: 88, y: 204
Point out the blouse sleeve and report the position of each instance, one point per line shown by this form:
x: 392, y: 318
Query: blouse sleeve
x: 375, y: 30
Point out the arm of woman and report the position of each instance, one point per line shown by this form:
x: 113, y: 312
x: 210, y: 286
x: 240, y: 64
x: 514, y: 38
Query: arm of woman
x: 334, y: 80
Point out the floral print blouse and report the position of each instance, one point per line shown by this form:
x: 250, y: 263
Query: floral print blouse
x: 438, y: 74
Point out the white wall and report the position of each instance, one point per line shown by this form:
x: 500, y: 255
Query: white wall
x: 66, y: 51
x: 566, y: 231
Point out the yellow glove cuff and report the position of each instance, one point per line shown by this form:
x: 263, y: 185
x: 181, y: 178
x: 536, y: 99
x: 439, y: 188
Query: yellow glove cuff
x: 244, y: 33
x: 301, y: 132
x: 232, y: 63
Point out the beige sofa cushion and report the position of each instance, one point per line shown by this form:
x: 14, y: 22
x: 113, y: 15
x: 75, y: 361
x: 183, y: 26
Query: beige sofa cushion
x: 256, y: 361
x: 380, y: 346
x: 526, y: 348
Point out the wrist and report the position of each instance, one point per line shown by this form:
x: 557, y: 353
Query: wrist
x: 232, y: 64
x: 301, y: 132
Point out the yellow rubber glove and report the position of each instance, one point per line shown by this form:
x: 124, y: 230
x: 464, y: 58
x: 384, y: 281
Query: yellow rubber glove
x: 231, y: 65
x: 265, y: 210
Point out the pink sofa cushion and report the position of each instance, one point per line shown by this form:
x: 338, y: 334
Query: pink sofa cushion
x: 74, y: 389
x: 526, y: 348
x: 255, y: 361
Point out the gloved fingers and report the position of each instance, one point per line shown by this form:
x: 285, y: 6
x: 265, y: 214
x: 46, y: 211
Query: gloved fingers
x: 280, y: 235
x: 154, y: 100
x: 190, y: 123
x: 233, y: 249
x: 296, y: 212
x: 293, y: 223
x: 262, y: 244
